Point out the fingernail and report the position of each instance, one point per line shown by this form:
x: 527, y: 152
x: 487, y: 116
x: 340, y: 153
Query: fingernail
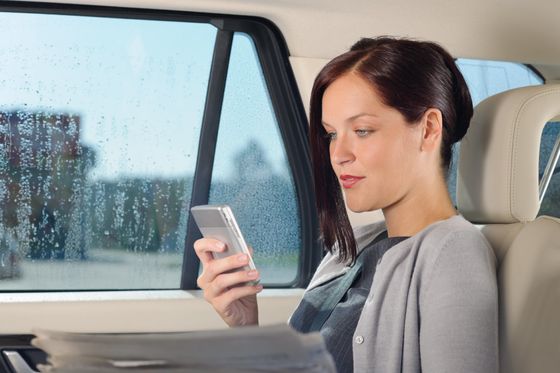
x: 242, y: 257
x: 252, y: 273
x: 259, y: 287
x: 220, y: 246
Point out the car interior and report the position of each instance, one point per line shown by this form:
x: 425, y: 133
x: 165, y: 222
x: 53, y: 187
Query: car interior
x: 502, y: 173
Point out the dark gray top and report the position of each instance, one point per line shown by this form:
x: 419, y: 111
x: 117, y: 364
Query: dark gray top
x: 340, y: 325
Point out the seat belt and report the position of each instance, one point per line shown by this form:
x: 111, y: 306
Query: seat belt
x: 338, y: 293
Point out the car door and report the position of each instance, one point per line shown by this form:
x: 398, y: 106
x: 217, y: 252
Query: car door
x: 113, y: 123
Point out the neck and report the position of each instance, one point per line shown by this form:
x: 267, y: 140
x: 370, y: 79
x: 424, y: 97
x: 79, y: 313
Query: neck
x: 415, y: 211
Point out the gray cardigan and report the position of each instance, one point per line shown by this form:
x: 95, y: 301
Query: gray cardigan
x: 433, y: 305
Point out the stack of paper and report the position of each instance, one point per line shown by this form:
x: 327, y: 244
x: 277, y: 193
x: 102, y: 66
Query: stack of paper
x: 275, y: 348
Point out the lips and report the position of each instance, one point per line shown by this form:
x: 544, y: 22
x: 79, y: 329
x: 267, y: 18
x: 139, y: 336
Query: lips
x: 348, y: 181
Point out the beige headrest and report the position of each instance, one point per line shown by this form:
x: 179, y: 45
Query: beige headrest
x: 497, y: 177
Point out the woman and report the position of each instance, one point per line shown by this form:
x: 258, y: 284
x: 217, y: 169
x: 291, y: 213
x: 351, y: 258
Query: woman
x: 418, y: 291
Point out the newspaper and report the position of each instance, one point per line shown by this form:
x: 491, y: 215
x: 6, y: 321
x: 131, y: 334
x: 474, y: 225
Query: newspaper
x: 276, y: 348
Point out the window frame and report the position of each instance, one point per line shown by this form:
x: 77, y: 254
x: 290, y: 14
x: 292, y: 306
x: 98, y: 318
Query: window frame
x: 286, y: 102
x: 536, y: 71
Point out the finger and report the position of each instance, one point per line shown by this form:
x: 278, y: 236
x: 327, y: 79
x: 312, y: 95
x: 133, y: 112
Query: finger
x: 204, y: 248
x: 225, y: 281
x: 223, y: 301
x: 216, y: 267
x: 250, y: 250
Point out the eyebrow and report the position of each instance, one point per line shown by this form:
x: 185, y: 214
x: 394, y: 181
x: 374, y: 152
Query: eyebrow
x: 352, y: 118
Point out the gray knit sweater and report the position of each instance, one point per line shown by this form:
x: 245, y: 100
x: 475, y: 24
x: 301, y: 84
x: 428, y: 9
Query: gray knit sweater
x: 433, y: 305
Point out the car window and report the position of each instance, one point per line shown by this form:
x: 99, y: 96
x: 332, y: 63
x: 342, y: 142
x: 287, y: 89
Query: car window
x: 488, y: 78
x: 100, y: 123
x: 252, y: 173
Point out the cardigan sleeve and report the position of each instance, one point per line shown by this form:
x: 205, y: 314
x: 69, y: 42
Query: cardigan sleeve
x: 459, y: 308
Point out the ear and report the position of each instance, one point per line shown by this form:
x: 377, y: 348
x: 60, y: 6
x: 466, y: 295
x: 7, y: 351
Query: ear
x: 432, y: 130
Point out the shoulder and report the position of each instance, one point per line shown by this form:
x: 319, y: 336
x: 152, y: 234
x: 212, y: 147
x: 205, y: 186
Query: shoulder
x: 456, y: 257
x: 454, y: 235
x: 458, y: 292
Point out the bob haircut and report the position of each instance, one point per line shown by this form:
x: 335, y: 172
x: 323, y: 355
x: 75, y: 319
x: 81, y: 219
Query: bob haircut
x: 409, y: 76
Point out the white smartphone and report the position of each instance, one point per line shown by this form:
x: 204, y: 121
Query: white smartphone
x: 218, y: 222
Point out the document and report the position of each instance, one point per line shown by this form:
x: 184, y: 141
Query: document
x: 276, y: 348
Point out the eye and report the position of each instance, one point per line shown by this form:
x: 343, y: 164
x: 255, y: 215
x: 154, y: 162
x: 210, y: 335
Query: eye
x: 330, y: 136
x: 362, y: 132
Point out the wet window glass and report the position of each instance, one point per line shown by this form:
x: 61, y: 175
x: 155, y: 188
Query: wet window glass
x: 99, y: 128
x: 251, y: 172
x: 550, y: 138
x: 485, y: 79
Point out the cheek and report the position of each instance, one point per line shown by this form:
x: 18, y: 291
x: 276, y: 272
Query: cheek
x: 403, y: 165
x: 390, y: 163
x: 380, y: 156
x: 410, y: 150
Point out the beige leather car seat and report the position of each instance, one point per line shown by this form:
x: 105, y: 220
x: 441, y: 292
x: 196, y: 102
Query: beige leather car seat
x: 498, y: 188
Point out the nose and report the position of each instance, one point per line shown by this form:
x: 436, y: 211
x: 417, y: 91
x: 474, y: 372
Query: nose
x: 341, y: 150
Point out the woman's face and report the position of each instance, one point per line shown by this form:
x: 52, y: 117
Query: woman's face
x: 373, y: 150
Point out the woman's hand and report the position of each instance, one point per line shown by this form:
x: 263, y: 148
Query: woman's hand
x: 234, y: 301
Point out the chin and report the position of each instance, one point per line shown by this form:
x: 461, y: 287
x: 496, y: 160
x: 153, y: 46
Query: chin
x: 359, y: 207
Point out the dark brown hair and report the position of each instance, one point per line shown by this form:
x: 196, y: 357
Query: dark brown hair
x: 410, y: 76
